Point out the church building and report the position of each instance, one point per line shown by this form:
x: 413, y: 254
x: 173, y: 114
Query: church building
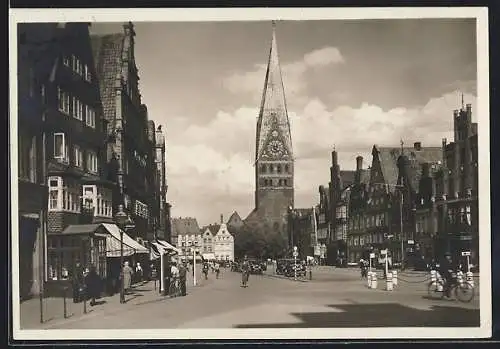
x: 274, y: 163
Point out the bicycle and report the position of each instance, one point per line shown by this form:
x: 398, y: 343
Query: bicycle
x: 175, y: 288
x: 463, y: 290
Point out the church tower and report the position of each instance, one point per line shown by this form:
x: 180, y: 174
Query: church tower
x: 274, y: 170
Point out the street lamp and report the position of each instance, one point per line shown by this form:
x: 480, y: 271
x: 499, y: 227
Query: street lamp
x: 123, y: 221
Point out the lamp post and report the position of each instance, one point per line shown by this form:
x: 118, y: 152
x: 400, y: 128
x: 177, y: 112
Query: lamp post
x: 123, y: 221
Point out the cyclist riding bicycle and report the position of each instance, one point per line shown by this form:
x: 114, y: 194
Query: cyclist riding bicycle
x: 446, y: 269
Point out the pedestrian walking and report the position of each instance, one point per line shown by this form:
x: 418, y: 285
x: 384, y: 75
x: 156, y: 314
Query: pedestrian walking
x: 182, y: 277
x: 93, y: 285
x: 205, y: 270
x: 245, y: 271
x: 217, y: 270
x: 139, y: 272
x: 127, y: 277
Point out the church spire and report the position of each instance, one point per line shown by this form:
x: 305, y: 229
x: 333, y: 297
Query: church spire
x: 273, y: 115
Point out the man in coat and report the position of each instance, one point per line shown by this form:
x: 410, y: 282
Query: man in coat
x: 182, y: 277
x: 127, y: 277
x: 77, y: 282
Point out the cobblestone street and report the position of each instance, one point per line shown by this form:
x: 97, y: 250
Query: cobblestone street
x: 334, y: 298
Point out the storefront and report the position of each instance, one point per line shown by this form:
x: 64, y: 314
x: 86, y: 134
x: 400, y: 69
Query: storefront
x: 83, y: 244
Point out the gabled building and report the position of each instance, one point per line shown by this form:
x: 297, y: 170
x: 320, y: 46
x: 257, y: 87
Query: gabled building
x: 235, y: 223
x: 186, y: 235
x: 223, y: 244
x: 131, y: 146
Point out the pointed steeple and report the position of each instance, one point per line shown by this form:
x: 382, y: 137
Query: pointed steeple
x: 273, y: 115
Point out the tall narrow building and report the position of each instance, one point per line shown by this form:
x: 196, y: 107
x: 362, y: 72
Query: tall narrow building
x: 274, y: 162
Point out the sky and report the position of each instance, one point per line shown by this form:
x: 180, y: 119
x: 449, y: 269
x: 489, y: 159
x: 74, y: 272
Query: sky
x: 349, y: 84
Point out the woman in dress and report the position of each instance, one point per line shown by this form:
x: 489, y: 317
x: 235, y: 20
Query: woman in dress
x: 127, y: 277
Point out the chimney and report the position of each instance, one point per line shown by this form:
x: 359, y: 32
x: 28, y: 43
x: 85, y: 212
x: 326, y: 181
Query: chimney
x: 359, y: 163
x: 417, y: 146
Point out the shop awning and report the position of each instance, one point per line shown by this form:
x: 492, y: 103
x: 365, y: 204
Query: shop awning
x: 168, y: 246
x: 158, y: 249
x: 82, y: 229
x: 130, y: 246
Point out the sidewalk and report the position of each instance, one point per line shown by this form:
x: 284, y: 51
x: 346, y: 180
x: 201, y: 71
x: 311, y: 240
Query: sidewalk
x: 53, y: 308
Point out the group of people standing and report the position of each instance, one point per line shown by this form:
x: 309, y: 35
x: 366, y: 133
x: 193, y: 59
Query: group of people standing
x: 86, y: 284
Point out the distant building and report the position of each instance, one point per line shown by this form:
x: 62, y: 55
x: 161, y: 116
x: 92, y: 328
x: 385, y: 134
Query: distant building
x: 223, y: 244
x: 186, y: 235
x: 207, y: 247
x: 235, y: 223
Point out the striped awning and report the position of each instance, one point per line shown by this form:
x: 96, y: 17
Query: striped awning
x: 168, y: 246
x: 130, y: 246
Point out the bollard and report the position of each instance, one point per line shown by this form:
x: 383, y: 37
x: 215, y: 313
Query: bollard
x: 374, y: 280
x: 65, y: 289
x: 470, y: 278
x: 389, y: 282
x: 369, y: 277
x: 394, y: 278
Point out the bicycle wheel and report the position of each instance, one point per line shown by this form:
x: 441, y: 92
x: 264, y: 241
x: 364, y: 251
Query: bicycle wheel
x: 464, y: 292
x: 433, y: 291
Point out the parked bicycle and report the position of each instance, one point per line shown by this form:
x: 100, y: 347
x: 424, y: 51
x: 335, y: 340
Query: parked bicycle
x: 462, y: 289
x: 175, y: 288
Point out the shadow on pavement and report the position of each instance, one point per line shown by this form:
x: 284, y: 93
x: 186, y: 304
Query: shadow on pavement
x: 381, y: 315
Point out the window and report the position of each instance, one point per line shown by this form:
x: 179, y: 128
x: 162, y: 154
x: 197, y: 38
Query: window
x: 286, y: 169
x: 64, y: 101
x: 77, y: 109
x: 100, y: 199
x: 278, y: 167
x: 27, y: 157
x: 61, y: 148
x: 92, y: 164
x: 64, y: 195
x: 88, y: 75
x: 263, y: 169
x: 78, y: 156
x: 90, y: 117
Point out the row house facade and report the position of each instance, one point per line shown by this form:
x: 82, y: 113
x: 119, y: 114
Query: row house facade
x: 131, y: 148
x: 33, y: 68
x: 62, y: 143
x: 385, y: 212
x: 447, y: 207
x: 186, y: 236
x: 164, y: 225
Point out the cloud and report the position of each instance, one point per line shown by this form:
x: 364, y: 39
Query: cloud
x: 251, y: 82
x: 210, y: 166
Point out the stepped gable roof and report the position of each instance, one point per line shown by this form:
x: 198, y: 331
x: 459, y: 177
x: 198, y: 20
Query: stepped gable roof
x: 185, y: 226
x: 108, y: 53
x: 389, y: 156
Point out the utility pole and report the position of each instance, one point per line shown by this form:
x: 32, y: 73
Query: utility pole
x: 43, y: 220
x: 401, y: 226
